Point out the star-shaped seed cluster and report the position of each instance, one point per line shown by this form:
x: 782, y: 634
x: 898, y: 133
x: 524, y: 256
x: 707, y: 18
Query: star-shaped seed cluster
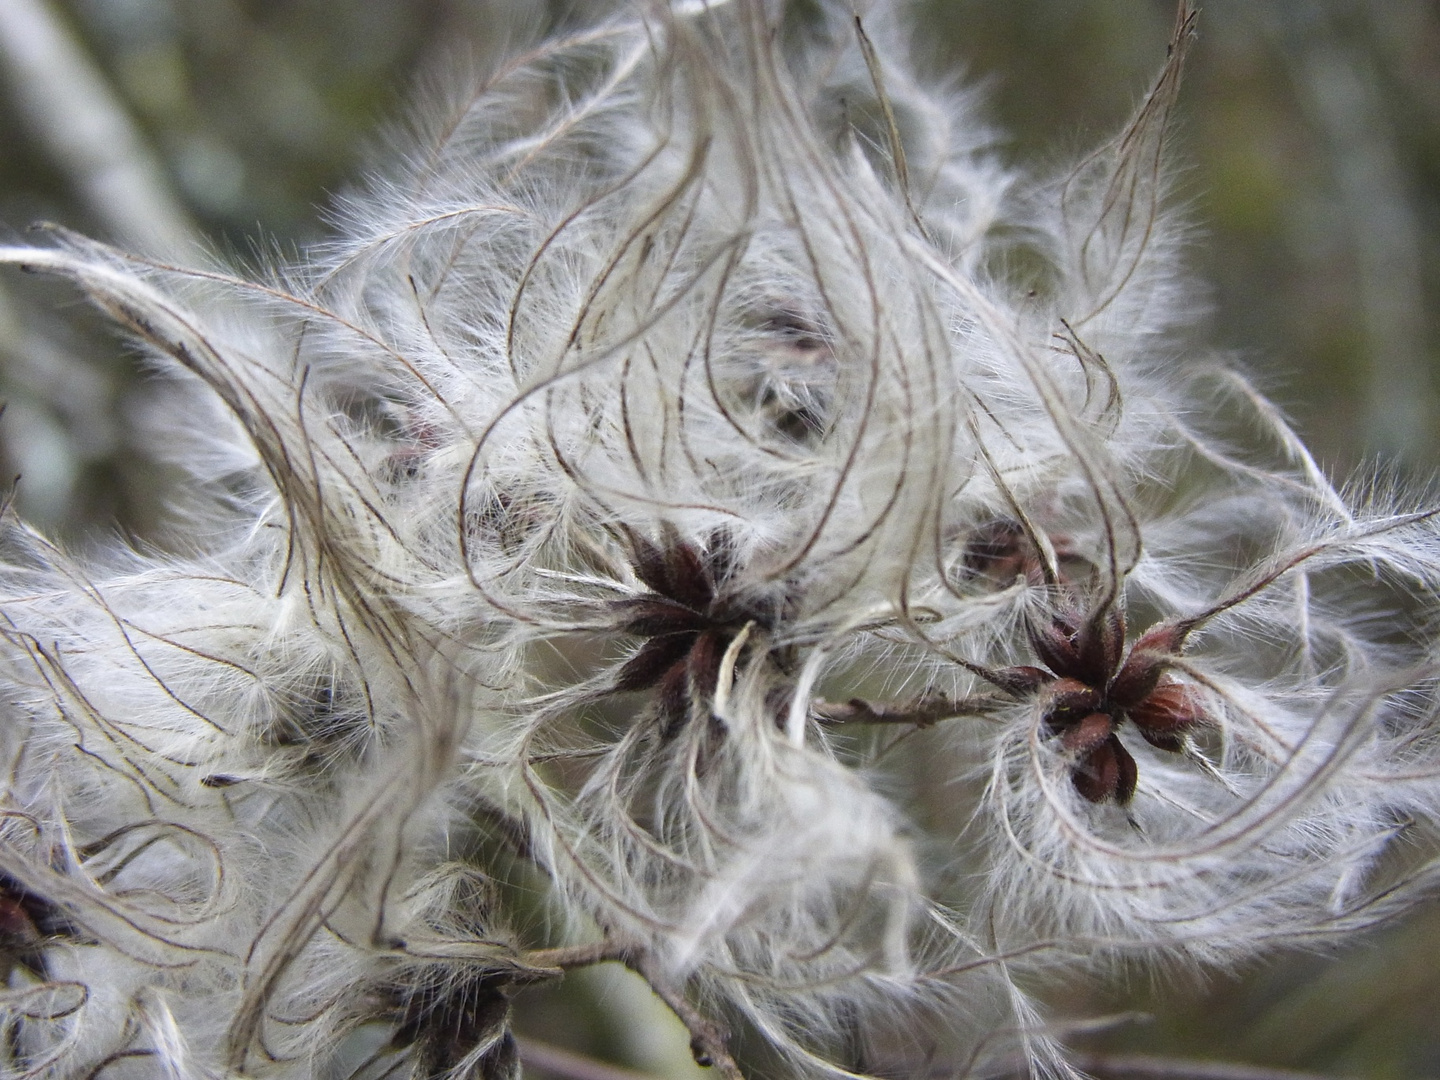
x: 1090, y: 686
x: 689, y: 619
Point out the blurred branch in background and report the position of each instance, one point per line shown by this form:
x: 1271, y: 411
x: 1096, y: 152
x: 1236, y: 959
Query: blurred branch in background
x: 64, y: 411
x: 71, y: 111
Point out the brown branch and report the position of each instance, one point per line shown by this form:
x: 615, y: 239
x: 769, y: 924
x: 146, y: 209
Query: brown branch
x: 566, y: 1065
x: 1154, y: 1067
x: 568, y: 957
x: 922, y: 711
x: 708, y: 1039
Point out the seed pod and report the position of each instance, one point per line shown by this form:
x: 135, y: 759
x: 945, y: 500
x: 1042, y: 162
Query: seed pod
x: 1089, y: 733
x: 655, y: 657
x: 1054, y: 644
x: 1171, y: 709
x: 1068, y: 701
x: 649, y: 617
x: 1099, y: 645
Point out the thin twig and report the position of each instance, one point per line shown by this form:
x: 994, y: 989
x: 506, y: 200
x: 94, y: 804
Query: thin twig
x: 922, y: 711
x: 570, y: 1066
x: 708, y: 1040
x: 568, y: 957
x: 1154, y: 1067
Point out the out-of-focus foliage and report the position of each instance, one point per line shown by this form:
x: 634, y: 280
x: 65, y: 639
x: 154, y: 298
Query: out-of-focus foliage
x: 1308, y: 152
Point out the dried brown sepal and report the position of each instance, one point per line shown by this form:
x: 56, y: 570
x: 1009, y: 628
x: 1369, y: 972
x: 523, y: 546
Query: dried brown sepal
x: 1096, y: 776
x: 1173, y: 744
x: 1129, y: 773
x: 1054, y: 643
x: 689, y: 577
x: 650, y: 564
x: 1099, y: 644
x: 703, y: 664
x: 1171, y: 709
x: 1021, y: 681
x: 673, y: 699
x: 650, y: 616
x: 643, y: 670
x: 1067, y: 701
x: 720, y: 557
x: 1149, y: 657
x: 1088, y: 733
x: 1076, y: 647
x: 1166, y: 638
x: 1137, y: 679
x: 1107, y: 772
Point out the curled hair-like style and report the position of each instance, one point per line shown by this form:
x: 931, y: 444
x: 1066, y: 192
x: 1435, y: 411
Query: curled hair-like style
x: 666, y: 487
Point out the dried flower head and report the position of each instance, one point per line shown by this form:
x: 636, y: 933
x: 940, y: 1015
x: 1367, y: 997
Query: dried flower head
x: 659, y: 493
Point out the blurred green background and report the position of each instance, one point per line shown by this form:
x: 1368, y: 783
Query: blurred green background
x: 1308, y: 156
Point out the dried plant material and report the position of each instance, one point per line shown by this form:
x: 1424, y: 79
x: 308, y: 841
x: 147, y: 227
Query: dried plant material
x: 642, y: 494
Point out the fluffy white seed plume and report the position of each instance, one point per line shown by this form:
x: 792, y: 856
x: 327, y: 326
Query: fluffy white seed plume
x: 660, y: 483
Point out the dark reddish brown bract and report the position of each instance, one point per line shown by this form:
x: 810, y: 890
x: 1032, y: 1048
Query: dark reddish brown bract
x: 1107, y: 772
x: 1093, y: 685
x: 1089, y: 733
x: 26, y: 922
x: 689, y: 618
